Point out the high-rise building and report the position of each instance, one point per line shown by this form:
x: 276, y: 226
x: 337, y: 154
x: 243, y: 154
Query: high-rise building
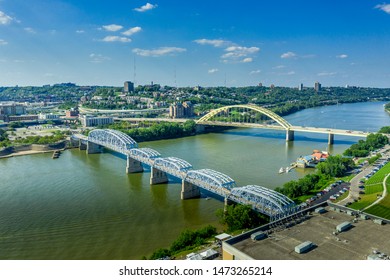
x: 181, y: 110
x: 12, y: 109
x: 188, y: 109
x: 128, y: 87
x: 300, y: 87
x: 176, y: 110
x: 317, y: 86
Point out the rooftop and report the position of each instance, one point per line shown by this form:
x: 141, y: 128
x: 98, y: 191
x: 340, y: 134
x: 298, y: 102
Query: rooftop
x: 356, y: 243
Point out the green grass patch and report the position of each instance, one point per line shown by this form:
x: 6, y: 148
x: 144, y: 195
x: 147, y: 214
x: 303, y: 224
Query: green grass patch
x: 380, y: 175
x: 382, y: 209
x: 366, y: 200
x: 341, y: 197
x: 370, y: 189
x: 348, y: 178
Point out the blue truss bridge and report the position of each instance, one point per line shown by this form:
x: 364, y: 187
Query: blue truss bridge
x: 260, y: 199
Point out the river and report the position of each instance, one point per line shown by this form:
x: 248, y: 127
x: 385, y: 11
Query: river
x: 86, y: 207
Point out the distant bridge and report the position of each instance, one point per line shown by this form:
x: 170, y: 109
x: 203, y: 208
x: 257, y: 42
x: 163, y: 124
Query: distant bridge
x: 263, y: 200
x: 248, y: 116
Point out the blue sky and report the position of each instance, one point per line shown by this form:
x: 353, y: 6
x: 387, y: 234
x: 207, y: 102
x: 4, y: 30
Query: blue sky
x: 188, y: 43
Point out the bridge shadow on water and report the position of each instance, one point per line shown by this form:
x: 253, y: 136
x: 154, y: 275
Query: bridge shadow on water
x: 282, y: 136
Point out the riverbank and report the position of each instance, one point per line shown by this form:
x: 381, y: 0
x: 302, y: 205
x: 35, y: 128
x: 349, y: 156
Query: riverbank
x: 86, y: 206
x: 32, y: 149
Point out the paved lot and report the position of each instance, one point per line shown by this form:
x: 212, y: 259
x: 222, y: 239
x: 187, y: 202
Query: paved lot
x: 36, y: 130
x: 367, y: 169
x: 355, y: 244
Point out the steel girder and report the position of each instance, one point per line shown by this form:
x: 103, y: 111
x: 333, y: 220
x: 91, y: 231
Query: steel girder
x: 286, y: 213
x: 144, y: 153
x: 285, y: 124
x: 211, y: 180
x: 264, y: 200
x: 112, y: 139
x: 173, y: 165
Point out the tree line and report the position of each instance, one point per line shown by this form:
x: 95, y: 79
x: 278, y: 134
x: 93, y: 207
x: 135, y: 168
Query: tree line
x: 187, y: 240
x: 334, y: 166
x: 157, y: 131
x: 363, y: 147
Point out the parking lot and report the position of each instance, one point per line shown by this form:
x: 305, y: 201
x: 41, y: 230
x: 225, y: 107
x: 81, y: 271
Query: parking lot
x: 365, y: 171
x: 35, y: 130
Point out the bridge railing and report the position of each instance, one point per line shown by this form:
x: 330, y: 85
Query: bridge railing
x: 173, y: 165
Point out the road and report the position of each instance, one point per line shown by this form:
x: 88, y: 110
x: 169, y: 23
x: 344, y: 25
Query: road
x: 354, y: 183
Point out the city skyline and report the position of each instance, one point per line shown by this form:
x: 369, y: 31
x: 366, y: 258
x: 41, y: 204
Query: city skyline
x: 195, y: 43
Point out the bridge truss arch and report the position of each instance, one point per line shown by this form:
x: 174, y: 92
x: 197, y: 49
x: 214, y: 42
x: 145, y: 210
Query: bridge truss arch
x: 112, y: 139
x: 173, y: 165
x: 211, y: 180
x: 263, y: 200
x: 281, y: 121
x: 145, y: 155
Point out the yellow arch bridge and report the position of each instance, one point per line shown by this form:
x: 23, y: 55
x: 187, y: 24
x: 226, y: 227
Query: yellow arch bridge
x: 259, y: 117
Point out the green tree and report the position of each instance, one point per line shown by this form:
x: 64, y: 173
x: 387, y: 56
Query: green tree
x: 239, y: 216
x: 385, y: 129
x: 335, y: 166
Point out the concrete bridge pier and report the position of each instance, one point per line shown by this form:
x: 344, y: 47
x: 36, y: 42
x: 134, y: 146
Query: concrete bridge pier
x: 133, y: 166
x: 82, y: 146
x: 93, y: 148
x: 189, y: 190
x: 227, y: 202
x: 200, y: 128
x: 289, y: 135
x: 330, y: 139
x: 157, y: 176
x: 74, y: 142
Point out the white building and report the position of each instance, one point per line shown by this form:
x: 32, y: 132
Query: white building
x: 87, y: 121
x: 48, y: 117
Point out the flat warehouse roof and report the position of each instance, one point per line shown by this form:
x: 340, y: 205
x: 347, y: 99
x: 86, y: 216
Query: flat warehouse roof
x: 355, y: 244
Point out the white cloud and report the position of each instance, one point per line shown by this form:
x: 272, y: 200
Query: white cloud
x: 247, y: 60
x: 215, y: 43
x: 290, y: 73
x: 279, y: 67
x: 163, y: 51
x: 237, y: 51
x: 3, y: 42
x: 212, y: 71
x: 322, y: 74
x: 288, y: 55
x: 342, y: 56
x: 112, y: 27
x: 384, y: 7
x: 146, y: 7
x: 4, y: 18
x: 234, y: 53
x: 98, y: 58
x: 30, y: 30
x: 255, y: 72
x: 132, y: 31
x: 80, y: 31
x: 116, y: 39
x: 244, y: 50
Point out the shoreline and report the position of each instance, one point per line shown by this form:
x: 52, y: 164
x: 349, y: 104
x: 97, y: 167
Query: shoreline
x: 27, y: 153
x: 32, y: 149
